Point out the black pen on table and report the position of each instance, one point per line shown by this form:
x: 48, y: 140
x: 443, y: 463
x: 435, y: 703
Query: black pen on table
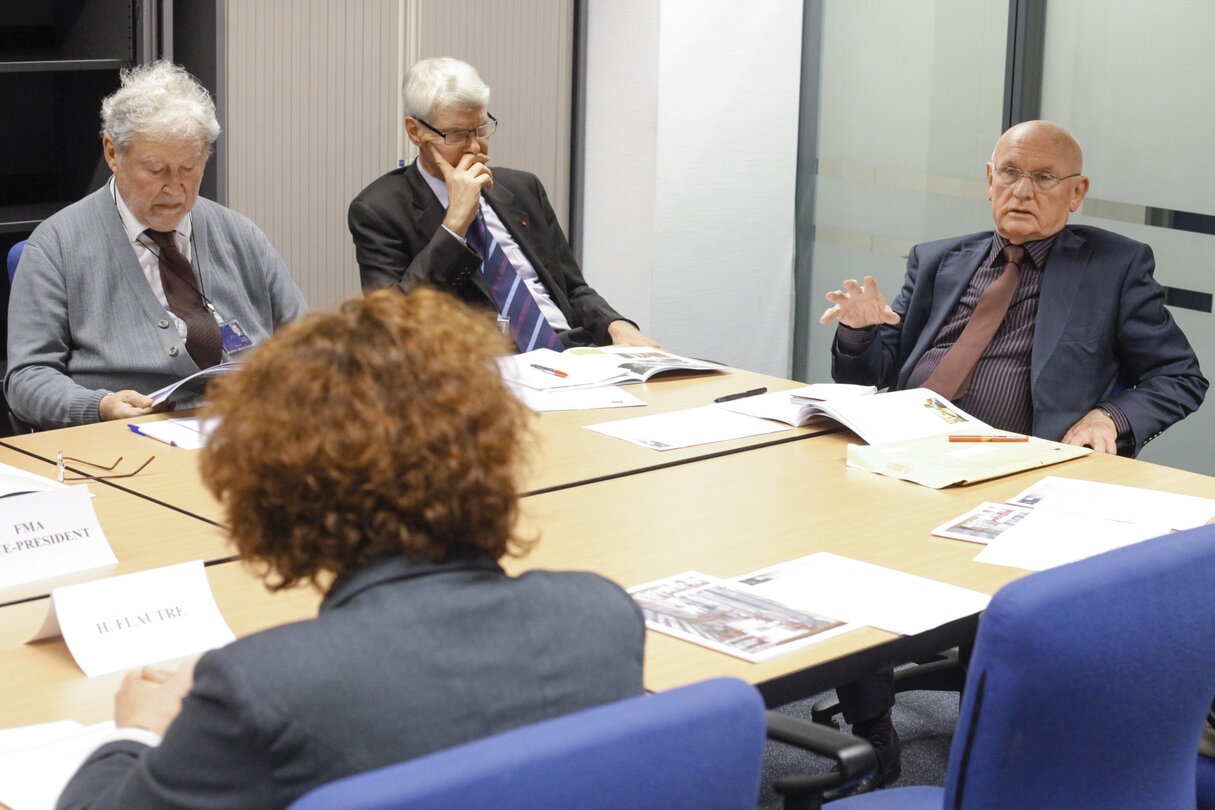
x: 753, y: 392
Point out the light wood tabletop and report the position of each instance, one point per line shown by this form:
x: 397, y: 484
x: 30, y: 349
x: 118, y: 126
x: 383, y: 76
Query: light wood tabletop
x: 729, y: 516
x: 43, y: 683
x: 562, y: 453
x: 723, y: 516
x: 143, y: 534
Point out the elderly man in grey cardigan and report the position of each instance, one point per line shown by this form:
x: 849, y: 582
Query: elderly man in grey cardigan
x: 141, y: 283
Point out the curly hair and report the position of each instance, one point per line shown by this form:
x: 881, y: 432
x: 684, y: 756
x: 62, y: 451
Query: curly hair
x: 383, y: 429
x: 159, y: 99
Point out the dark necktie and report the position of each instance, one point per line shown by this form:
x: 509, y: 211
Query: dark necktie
x: 951, y: 377
x: 514, y: 299
x: 203, y: 341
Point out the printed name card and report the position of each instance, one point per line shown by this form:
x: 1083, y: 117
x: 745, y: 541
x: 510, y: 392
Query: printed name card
x: 46, y: 534
x: 127, y: 621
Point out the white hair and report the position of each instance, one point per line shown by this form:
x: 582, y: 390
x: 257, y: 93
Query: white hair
x: 161, y: 100
x: 442, y: 82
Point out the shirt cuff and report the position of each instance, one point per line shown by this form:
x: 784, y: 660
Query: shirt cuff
x: 1120, y: 421
x: 461, y: 239
x: 134, y: 734
x: 854, y: 341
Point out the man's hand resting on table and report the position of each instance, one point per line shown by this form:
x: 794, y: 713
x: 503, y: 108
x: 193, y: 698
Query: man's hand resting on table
x: 624, y: 333
x: 1096, y: 430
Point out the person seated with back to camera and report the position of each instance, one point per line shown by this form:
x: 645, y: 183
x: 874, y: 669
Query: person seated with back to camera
x: 373, y: 454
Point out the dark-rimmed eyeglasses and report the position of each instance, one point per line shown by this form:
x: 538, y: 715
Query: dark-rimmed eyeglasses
x: 62, y: 465
x: 459, y: 137
x: 1044, y: 181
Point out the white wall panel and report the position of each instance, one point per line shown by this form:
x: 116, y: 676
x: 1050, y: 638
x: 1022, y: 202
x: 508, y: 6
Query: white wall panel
x: 692, y: 109
x: 312, y: 118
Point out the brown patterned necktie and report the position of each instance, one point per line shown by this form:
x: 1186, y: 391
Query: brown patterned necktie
x: 951, y: 377
x: 203, y: 340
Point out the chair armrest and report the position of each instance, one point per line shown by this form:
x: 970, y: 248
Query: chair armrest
x: 854, y: 757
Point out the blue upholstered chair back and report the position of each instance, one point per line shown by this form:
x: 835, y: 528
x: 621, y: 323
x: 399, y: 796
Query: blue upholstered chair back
x: 1206, y: 783
x: 1090, y: 683
x: 14, y: 256
x: 699, y: 746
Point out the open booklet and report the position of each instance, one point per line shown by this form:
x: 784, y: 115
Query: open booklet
x: 799, y: 405
x: 1060, y: 520
x: 545, y: 369
x: 876, y: 418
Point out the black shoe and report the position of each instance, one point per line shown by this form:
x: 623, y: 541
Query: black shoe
x: 885, y: 741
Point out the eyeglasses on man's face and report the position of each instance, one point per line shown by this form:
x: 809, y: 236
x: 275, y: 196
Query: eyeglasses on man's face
x: 1043, y: 181
x: 459, y: 137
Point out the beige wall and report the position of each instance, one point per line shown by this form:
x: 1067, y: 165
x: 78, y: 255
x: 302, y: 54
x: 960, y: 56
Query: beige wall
x: 313, y: 108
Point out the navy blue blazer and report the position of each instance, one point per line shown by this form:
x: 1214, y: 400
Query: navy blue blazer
x: 404, y: 659
x: 1102, y: 331
x: 396, y: 223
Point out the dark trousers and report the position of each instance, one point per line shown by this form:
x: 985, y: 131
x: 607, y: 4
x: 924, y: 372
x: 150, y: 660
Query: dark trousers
x: 867, y: 698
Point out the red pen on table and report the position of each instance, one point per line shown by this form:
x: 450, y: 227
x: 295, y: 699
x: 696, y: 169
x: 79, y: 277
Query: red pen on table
x: 556, y: 372
x: 956, y: 437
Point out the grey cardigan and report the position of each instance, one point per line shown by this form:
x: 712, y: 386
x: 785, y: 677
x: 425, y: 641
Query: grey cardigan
x: 83, y: 321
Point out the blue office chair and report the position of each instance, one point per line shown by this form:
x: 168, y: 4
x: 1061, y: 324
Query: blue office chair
x: 1088, y: 687
x: 1206, y: 783
x: 14, y: 256
x: 698, y: 746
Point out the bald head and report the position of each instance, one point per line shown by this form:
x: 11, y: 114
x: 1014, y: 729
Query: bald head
x: 1047, y: 136
x: 1034, y: 181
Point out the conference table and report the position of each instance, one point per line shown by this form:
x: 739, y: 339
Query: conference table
x: 563, y: 455
x: 597, y: 503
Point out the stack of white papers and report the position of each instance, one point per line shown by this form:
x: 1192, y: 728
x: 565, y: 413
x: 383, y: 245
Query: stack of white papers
x: 14, y: 481
x: 188, y: 432
x: 704, y: 425
x: 36, y: 762
x: 791, y: 605
x: 1061, y: 520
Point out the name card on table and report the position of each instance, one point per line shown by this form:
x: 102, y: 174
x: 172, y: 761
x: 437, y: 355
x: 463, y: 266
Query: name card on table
x: 127, y: 621
x: 46, y: 534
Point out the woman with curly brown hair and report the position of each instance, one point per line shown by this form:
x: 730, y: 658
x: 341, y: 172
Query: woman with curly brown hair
x: 372, y: 454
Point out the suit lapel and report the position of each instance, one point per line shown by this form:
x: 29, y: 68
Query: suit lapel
x: 427, y: 211
x: 1065, y: 266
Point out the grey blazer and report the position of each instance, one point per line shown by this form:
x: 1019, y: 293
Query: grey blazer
x: 83, y: 321
x: 404, y: 658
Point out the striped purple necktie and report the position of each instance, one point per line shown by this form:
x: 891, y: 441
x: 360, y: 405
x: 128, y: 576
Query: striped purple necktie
x: 514, y: 299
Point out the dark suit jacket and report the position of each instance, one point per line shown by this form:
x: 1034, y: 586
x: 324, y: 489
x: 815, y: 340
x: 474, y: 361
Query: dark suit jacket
x: 397, y: 223
x: 403, y: 659
x: 1102, y: 331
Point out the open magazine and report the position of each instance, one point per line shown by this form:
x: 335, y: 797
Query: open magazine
x: 798, y: 406
x: 547, y: 370
x: 876, y: 418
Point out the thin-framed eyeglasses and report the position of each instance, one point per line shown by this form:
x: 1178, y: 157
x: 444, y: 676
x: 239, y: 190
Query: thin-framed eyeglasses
x: 61, y: 463
x: 459, y: 137
x: 1044, y: 181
